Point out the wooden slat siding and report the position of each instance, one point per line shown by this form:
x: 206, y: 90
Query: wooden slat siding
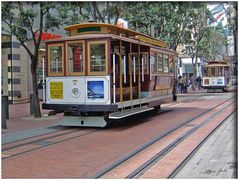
x: 151, y: 41
x: 139, y: 86
x: 130, y: 72
x: 120, y: 64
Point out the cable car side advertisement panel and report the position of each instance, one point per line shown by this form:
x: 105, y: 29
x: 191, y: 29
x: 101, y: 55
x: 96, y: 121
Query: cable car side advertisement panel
x: 78, y: 90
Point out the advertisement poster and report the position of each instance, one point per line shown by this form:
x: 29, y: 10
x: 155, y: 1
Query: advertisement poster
x: 56, y: 90
x: 95, y: 89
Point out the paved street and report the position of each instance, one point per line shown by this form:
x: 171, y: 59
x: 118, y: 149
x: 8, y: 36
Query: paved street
x: 215, y: 159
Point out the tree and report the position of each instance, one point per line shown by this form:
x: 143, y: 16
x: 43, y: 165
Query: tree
x: 27, y: 21
x: 200, y: 39
x: 104, y: 12
x: 212, y: 39
x: 167, y: 21
x: 195, y: 34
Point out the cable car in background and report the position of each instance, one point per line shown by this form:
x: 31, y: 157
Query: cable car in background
x: 216, y: 76
x: 103, y: 73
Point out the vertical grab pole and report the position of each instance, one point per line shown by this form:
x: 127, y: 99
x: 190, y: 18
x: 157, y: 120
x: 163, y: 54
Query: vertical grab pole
x: 142, y: 61
x: 139, y: 84
x: 43, y: 79
x: 124, y: 69
x: 134, y: 70
x: 114, y: 77
x: 150, y: 61
x: 121, y: 80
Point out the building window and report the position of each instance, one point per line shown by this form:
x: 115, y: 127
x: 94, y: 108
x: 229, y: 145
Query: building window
x: 14, y: 69
x: 97, y: 57
x: 55, y: 59
x: 14, y: 81
x: 14, y: 56
x: 75, y: 58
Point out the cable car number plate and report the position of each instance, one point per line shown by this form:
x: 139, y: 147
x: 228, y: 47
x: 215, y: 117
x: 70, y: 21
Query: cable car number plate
x: 56, y: 90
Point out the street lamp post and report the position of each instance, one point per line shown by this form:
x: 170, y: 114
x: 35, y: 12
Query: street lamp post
x: 11, y: 54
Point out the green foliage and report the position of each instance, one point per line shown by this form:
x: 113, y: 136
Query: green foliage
x: 27, y: 21
x: 167, y: 21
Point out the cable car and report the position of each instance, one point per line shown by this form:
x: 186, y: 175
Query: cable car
x: 216, y: 76
x: 103, y: 73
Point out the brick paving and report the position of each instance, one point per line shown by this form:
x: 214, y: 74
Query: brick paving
x: 164, y: 168
x: 20, y: 119
x: 77, y: 162
x: 126, y: 168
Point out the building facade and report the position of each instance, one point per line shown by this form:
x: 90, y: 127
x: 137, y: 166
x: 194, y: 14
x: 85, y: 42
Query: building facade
x: 17, y: 63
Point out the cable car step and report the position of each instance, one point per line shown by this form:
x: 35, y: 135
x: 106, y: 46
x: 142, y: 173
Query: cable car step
x: 130, y: 112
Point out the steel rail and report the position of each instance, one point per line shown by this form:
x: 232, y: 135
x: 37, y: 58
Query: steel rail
x: 49, y: 144
x: 143, y: 168
x: 172, y: 175
x: 38, y: 140
x: 64, y: 128
x: 130, y: 155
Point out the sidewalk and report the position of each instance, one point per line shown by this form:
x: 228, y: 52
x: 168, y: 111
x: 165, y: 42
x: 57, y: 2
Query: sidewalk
x: 21, y: 120
x: 217, y: 156
x: 190, y: 91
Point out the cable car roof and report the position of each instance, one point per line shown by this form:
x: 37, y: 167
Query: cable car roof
x: 103, y: 28
x: 216, y: 64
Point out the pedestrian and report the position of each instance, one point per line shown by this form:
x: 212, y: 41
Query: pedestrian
x: 180, y: 84
x: 183, y: 85
x: 40, y: 84
x: 199, y: 81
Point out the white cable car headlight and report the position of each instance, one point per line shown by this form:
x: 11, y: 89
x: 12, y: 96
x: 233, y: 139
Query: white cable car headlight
x: 75, y: 92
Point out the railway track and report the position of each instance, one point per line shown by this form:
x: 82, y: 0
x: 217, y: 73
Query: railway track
x: 43, y: 141
x: 149, y: 163
x: 55, y: 133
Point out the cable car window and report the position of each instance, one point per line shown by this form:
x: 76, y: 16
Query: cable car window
x: 171, y: 64
x: 213, y: 71
x: 97, y: 57
x: 220, y: 71
x: 75, y: 57
x: 160, y: 62
x: 205, y: 72
x: 55, y: 55
x: 153, y: 60
x: 145, y: 62
x: 165, y: 63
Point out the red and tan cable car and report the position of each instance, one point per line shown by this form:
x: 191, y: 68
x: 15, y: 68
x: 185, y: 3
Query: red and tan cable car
x: 103, y: 73
x: 216, y: 76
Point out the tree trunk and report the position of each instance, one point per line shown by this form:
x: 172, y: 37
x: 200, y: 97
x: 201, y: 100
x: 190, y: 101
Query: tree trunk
x: 193, y: 78
x: 37, y: 110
